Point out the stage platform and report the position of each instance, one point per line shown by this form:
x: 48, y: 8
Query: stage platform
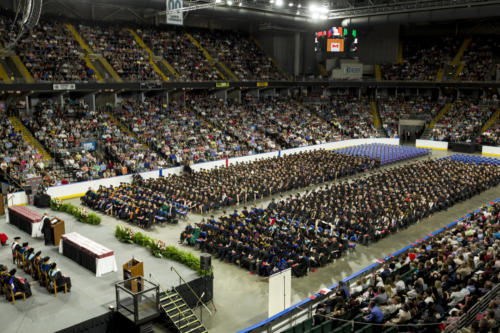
x: 90, y: 296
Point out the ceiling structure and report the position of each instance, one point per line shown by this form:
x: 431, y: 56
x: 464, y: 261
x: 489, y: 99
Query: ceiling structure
x: 297, y: 14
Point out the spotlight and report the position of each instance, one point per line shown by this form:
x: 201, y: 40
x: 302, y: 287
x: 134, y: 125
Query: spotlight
x: 241, y: 4
x: 229, y: 2
x: 279, y: 3
x: 290, y: 4
x: 299, y: 5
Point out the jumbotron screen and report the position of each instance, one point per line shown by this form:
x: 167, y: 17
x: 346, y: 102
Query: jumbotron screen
x: 336, y: 40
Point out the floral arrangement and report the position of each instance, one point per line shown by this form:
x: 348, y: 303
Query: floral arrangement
x: 81, y: 214
x: 159, y: 249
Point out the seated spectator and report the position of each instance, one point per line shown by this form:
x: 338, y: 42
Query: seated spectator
x: 464, y: 120
x: 120, y: 49
x: 51, y: 54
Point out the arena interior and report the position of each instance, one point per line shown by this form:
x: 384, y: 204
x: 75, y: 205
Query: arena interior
x: 299, y: 166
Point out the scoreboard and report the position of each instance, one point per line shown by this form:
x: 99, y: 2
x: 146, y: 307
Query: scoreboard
x: 336, y: 40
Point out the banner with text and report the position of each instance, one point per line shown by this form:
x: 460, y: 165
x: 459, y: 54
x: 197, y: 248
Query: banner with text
x: 173, y: 16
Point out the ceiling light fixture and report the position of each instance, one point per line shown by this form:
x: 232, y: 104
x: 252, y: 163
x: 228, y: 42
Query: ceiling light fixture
x: 279, y: 3
x: 229, y: 2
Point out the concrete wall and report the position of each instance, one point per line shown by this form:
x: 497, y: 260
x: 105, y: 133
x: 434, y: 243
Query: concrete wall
x: 78, y: 189
x: 378, y: 44
x: 491, y: 151
x: 432, y: 144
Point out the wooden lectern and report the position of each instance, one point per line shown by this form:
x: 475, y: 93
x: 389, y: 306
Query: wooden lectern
x: 2, y: 210
x: 131, y: 269
x: 58, y: 229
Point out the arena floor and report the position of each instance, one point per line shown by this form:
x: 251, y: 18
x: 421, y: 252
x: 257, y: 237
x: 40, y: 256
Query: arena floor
x: 240, y: 298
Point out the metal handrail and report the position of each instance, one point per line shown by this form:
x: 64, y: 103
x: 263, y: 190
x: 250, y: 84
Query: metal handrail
x: 166, y: 294
x: 172, y: 268
x: 470, y: 316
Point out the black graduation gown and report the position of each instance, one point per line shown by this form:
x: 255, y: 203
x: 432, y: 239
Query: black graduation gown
x: 47, y: 232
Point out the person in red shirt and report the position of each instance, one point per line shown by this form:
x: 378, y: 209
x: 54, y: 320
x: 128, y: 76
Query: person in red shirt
x: 3, y: 239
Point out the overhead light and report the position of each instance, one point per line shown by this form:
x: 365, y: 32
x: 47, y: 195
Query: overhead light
x: 299, y: 5
x: 279, y: 3
x: 271, y: 1
x: 241, y: 4
x: 229, y: 2
x: 290, y: 4
x: 218, y: 1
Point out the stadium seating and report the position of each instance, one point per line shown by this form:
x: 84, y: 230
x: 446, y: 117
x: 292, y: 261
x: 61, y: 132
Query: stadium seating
x: 422, y: 58
x: 51, y: 54
x: 426, y: 287
x: 464, y: 120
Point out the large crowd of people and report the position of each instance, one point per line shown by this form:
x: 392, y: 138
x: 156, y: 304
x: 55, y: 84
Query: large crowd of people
x: 393, y: 108
x: 349, y: 115
x: 176, y: 48
x: 226, y: 186
x: 305, y: 230
x: 240, y: 54
x: 19, y: 160
x: 479, y: 59
x: 491, y: 136
x: 51, y: 54
x: 429, y: 287
x: 422, y: 59
x: 120, y: 49
x: 464, y: 120
x: 66, y: 130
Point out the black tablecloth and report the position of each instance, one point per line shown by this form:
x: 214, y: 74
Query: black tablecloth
x: 21, y: 222
x: 464, y: 147
x: 78, y: 255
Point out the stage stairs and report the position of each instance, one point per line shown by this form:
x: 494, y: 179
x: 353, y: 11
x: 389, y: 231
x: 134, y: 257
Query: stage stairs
x: 179, y: 314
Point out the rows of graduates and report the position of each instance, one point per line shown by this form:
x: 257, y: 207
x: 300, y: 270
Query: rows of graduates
x: 310, y: 230
x: 145, y: 202
x: 430, y: 287
x: 38, y: 267
x: 134, y: 204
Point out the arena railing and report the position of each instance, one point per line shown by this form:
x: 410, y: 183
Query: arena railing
x: 468, y: 318
x: 88, y: 87
x: 304, y: 309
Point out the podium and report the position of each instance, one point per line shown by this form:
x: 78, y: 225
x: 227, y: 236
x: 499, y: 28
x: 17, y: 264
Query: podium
x: 131, y: 270
x: 58, y: 229
x: 2, y: 209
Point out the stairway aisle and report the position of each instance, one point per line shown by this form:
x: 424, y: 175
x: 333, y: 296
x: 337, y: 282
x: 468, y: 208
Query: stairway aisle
x: 207, y: 56
x: 141, y: 43
x: 180, y: 314
x: 97, y: 62
x: 29, y: 138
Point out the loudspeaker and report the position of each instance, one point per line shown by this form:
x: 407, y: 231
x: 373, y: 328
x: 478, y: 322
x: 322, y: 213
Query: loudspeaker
x: 205, y: 262
x: 28, y: 190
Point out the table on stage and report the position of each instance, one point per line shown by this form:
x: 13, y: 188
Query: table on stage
x: 88, y: 253
x: 26, y: 220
